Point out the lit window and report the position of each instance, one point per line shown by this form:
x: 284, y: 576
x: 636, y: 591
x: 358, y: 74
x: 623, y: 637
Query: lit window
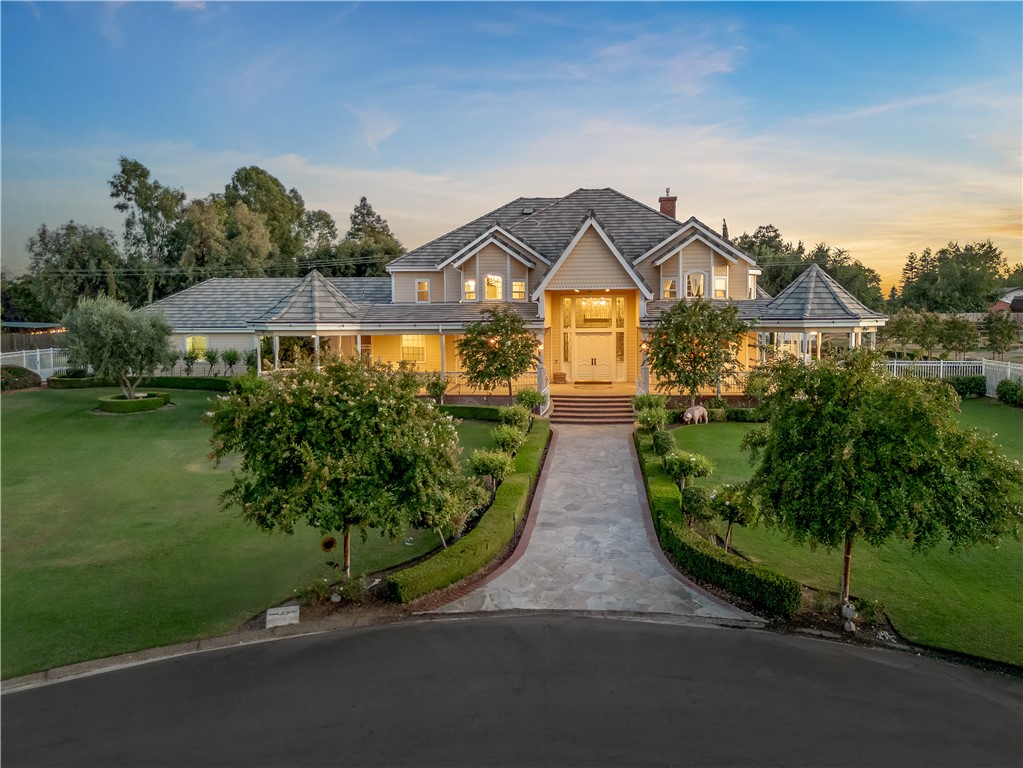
x: 422, y: 290
x: 720, y: 287
x: 470, y: 290
x: 197, y: 345
x: 518, y: 290
x: 495, y: 288
x: 413, y: 348
x: 694, y: 285
x: 670, y: 290
x: 751, y: 290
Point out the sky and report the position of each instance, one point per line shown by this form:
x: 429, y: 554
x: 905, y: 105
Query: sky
x: 880, y: 128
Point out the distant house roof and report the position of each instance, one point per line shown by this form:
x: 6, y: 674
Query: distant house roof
x: 816, y: 296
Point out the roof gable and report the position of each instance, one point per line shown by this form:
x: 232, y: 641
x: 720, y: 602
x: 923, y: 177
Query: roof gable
x: 692, y: 229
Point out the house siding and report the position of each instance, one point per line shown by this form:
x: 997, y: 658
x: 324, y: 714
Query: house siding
x: 590, y: 265
x: 405, y: 286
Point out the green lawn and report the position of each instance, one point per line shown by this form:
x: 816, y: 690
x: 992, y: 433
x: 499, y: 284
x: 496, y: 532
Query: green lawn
x: 969, y: 601
x: 113, y: 540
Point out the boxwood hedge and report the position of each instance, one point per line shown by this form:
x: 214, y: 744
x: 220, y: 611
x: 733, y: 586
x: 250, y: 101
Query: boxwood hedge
x: 470, y: 553
x: 148, y: 401
x: 527, y: 458
x: 480, y: 412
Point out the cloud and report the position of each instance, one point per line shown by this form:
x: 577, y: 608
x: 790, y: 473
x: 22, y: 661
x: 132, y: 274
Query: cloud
x: 376, y: 124
x: 189, y: 5
x: 109, y: 25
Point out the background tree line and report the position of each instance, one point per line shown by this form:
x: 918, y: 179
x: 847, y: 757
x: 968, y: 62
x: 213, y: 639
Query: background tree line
x: 954, y: 335
x: 254, y: 228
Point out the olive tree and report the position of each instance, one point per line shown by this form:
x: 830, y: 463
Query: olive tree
x: 852, y: 452
x: 695, y: 345
x: 117, y: 343
x: 349, y: 447
x: 497, y: 348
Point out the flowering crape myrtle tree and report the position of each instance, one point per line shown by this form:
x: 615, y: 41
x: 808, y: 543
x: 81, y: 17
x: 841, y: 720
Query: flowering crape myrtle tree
x: 348, y: 447
x: 695, y: 345
x: 117, y: 343
x: 851, y: 452
x: 497, y: 349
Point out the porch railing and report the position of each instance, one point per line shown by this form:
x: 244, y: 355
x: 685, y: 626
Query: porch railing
x: 458, y: 384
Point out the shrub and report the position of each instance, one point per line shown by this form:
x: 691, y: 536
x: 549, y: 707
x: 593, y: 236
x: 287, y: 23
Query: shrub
x: 119, y: 404
x: 212, y: 358
x: 717, y: 414
x: 436, y: 387
x: 745, y: 414
x: 230, y: 358
x: 769, y: 591
x: 1010, y: 392
x: 642, y: 402
x: 471, y: 552
x: 478, y: 412
x: 172, y: 359
x: 189, y: 359
x: 493, y: 464
x: 16, y: 377
x: 652, y: 419
x: 968, y: 386
x: 517, y: 416
x: 531, y: 399
x: 681, y: 465
x: 507, y: 438
x: 77, y: 382
x: 716, y: 402
x: 251, y: 360
x: 696, y: 504
x: 663, y: 443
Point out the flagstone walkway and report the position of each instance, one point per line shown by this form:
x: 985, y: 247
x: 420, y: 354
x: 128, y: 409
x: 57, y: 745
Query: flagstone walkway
x: 591, y: 547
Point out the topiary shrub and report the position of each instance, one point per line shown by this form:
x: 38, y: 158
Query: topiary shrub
x: 696, y: 504
x: 493, y: 466
x: 531, y: 399
x: 1010, y: 392
x: 507, y: 438
x: 230, y: 358
x: 517, y: 416
x: 653, y: 418
x: 663, y: 443
x: 119, y: 404
x: 15, y: 377
x: 642, y: 402
x: 681, y: 465
x: 436, y: 388
x: 968, y: 386
x: 478, y: 412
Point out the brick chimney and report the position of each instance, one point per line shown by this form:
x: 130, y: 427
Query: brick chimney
x: 668, y: 203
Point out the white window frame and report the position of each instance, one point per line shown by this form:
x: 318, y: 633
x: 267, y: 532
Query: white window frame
x: 410, y: 343
x: 518, y: 294
x: 703, y: 275
x: 669, y: 288
x: 724, y: 286
x: 465, y: 289
x: 751, y: 286
x: 498, y: 283
x: 420, y: 291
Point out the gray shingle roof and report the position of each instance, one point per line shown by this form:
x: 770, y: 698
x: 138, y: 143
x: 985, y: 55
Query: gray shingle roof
x: 435, y: 315
x: 433, y: 253
x: 749, y: 309
x: 816, y: 295
x: 311, y: 302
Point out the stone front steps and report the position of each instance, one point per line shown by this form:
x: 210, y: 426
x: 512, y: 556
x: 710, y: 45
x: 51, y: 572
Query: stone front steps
x: 583, y: 409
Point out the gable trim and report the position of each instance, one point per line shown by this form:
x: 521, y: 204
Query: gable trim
x: 689, y: 241
x: 710, y: 237
x: 488, y: 236
x: 591, y: 222
x: 489, y: 241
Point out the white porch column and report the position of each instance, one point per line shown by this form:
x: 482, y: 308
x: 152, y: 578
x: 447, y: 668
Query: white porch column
x: 316, y: 350
x: 820, y: 343
x: 852, y: 339
x: 277, y: 352
x: 873, y: 338
x: 443, y: 361
x: 540, y: 373
x: 259, y: 353
x: 358, y: 345
x: 804, y: 346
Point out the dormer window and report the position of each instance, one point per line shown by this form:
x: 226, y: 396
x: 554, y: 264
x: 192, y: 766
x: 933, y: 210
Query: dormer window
x: 422, y: 291
x: 518, y: 290
x: 720, y: 287
x: 495, y: 288
x: 469, y: 294
x: 669, y: 289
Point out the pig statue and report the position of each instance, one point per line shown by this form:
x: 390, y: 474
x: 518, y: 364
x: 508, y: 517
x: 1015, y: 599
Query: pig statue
x: 695, y: 415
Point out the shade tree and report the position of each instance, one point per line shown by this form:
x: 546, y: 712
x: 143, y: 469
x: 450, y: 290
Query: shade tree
x: 497, y: 348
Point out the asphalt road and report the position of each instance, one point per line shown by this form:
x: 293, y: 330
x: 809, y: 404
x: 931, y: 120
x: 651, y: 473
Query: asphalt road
x: 545, y: 690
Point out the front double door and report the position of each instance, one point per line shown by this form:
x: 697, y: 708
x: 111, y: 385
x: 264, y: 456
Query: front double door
x: 593, y: 359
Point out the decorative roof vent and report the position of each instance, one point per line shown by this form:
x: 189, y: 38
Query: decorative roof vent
x: 527, y: 211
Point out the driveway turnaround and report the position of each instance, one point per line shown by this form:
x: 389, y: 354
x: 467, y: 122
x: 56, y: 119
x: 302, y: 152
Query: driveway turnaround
x: 524, y: 690
x: 590, y: 546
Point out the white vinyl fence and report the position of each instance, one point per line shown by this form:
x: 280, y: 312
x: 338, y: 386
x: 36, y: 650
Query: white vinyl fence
x: 45, y: 362
x: 992, y: 370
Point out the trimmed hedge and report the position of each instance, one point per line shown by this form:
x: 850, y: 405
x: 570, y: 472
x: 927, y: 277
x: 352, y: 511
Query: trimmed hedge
x: 479, y: 412
x: 212, y: 384
x: 700, y: 558
x: 118, y: 404
x: 1010, y: 393
x: 471, y: 552
x: 745, y: 415
x: 76, y: 382
x: 968, y: 386
x: 770, y: 591
x: 527, y: 458
x: 15, y: 377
